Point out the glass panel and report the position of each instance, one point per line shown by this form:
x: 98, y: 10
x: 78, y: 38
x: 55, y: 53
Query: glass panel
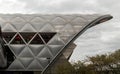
x: 27, y: 36
x: 47, y: 36
x: 17, y: 40
x: 8, y: 36
x: 37, y: 40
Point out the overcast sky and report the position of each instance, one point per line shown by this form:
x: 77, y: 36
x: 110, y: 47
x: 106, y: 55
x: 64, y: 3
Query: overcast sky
x: 100, y: 39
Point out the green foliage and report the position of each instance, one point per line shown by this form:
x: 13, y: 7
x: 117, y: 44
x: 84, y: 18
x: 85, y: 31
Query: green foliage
x: 99, y: 64
x: 65, y: 68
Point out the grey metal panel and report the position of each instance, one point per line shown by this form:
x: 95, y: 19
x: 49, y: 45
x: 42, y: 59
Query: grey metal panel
x: 26, y: 52
x: 45, y: 53
x: 16, y: 65
x: 55, y: 48
x: 26, y: 61
x: 35, y: 65
x: 36, y: 49
x: 37, y: 56
x: 47, y: 28
x: 56, y: 40
x: 8, y: 28
x: 17, y: 49
x: 27, y: 28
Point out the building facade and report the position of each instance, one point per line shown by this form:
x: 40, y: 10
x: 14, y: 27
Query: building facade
x: 35, y: 42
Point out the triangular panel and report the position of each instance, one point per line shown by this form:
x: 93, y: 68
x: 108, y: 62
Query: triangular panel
x: 37, y: 40
x: 17, y: 40
x: 26, y: 53
x: 27, y: 28
x: 17, y: 49
x: 45, y: 53
x: 69, y: 29
x: 36, y: 49
x: 35, y: 65
x: 47, y: 36
x: 38, y: 23
x: 58, y: 21
x: 78, y: 20
x: 47, y: 28
x: 66, y: 38
x: 27, y: 36
x: 56, y: 40
x: 8, y: 36
x: 8, y: 28
x: 55, y: 48
x: 26, y: 61
x: 18, y: 22
x: 67, y: 32
x: 44, y: 61
x: 37, y: 20
x: 16, y: 65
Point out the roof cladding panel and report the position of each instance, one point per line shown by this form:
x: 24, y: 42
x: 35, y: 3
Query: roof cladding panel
x: 39, y: 50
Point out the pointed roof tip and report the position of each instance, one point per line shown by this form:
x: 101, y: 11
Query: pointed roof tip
x: 100, y: 19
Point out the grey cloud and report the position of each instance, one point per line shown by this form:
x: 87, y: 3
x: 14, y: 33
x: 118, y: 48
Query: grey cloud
x: 60, y: 6
x: 111, y: 6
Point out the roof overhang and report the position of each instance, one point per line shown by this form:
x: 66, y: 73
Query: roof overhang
x: 97, y: 21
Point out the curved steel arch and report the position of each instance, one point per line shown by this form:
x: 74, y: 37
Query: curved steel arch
x: 91, y: 24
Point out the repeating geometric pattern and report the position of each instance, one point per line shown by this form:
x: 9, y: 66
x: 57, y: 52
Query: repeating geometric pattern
x: 36, y: 39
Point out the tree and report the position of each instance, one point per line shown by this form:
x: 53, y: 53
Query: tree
x: 99, y: 64
x: 65, y: 68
